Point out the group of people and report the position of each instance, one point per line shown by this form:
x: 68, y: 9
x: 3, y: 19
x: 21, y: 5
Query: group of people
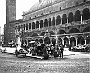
x: 53, y: 50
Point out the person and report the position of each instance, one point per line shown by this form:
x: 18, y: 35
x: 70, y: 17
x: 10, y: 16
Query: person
x: 61, y: 48
x: 59, y: 51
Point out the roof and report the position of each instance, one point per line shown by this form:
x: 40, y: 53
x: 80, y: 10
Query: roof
x: 43, y: 3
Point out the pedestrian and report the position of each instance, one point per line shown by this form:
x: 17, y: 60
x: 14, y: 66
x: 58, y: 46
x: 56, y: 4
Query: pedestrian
x: 59, y: 51
x: 61, y: 48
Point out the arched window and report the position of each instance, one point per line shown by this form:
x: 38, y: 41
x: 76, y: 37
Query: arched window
x: 45, y: 23
x: 49, y: 21
x: 29, y: 25
x: 41, y: 23
x: 77, y: 16
x: 53, y: 21
x: 86, y: 14
x: 70, y: 17
x: 33, y: 25
x: 37, y: 24
x: 58, y: 20
x: 64, y: 19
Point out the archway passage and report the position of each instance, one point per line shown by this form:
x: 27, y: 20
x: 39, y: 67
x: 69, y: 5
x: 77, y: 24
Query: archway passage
x: 53, y: 41
x: 74, y: 30
x: 77, y: 16
x: 88, y: 40
x: 70, y: 17
x: 58, y: 20
x: 80, y: 40
x: 47, y: 40
x: 87, y: 29
x: 59, y: 40
x: 66, y: 41
x: 64, y: 19
x: 61, y: 32
x: 86, y: 14
x: 72, y: 41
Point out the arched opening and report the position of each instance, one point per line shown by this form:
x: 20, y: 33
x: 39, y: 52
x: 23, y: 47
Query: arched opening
x: 70, y: 17
x: 87, y: 29
x: 58, y: 20
x: 86, y: 14
x: 53, y: 21
x: 59, y: 40
x: 49, y: 21
x: 64, y: 19
x: 66, y: 41
x: 26, y: 26
x: 72, y: 41
x: 80, y: 40
x: 74, y: 30
x: 53, y: 41
x: 77, y: 16
x: 33, y: 25
x: 41, y: 23
x: 47, y: 40
x: 45, y: 23
x: 40, y: 40
x: 88, y: 40
x: 37, y: 24
x: 61, y: 32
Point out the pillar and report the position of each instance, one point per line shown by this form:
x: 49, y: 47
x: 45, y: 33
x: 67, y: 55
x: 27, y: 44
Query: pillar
x: 39, y: 26
x: 76, y: 41
x: 61, y: 20
x: 81, y: 18
x: 31, y: 26
x: 85, y: 41
x: 67, y: 20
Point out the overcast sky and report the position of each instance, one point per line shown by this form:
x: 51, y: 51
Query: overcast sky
x: 21, y: 5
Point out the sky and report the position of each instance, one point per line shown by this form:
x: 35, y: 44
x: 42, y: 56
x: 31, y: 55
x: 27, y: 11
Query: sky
x: 21, y: 5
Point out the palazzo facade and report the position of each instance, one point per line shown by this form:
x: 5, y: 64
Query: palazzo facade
x: 56, y: 21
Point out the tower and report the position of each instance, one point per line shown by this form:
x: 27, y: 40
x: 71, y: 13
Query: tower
x: 10, y: 10
x: 10, y: 16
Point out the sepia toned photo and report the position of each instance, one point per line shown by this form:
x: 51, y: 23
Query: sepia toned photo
x: 45, y: 36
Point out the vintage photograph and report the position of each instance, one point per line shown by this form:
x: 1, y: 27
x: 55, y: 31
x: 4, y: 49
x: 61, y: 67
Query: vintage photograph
x: 45, y: 36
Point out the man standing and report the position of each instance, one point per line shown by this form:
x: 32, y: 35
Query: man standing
x: 61, y: 48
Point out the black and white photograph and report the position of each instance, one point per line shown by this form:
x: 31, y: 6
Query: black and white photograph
x: 45, y: 36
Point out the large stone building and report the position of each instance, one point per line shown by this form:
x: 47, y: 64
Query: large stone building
x: 57, y: 21
x: 10, y: 17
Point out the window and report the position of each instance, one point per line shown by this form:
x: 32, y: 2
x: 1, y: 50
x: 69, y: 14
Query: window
x: 29, y: 25
x: 60, y: 8
x: 26, y: 26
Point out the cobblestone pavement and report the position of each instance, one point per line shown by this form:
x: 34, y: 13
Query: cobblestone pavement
x: 79, y: 63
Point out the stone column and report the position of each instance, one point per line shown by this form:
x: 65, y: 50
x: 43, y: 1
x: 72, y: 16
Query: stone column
x: 85, y: 41
x: 76, y: 41
x: 67, y: 19
x: 31, y: 26
x: 81, y: 18
x: 39, y: 26
x: 61, y: 20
